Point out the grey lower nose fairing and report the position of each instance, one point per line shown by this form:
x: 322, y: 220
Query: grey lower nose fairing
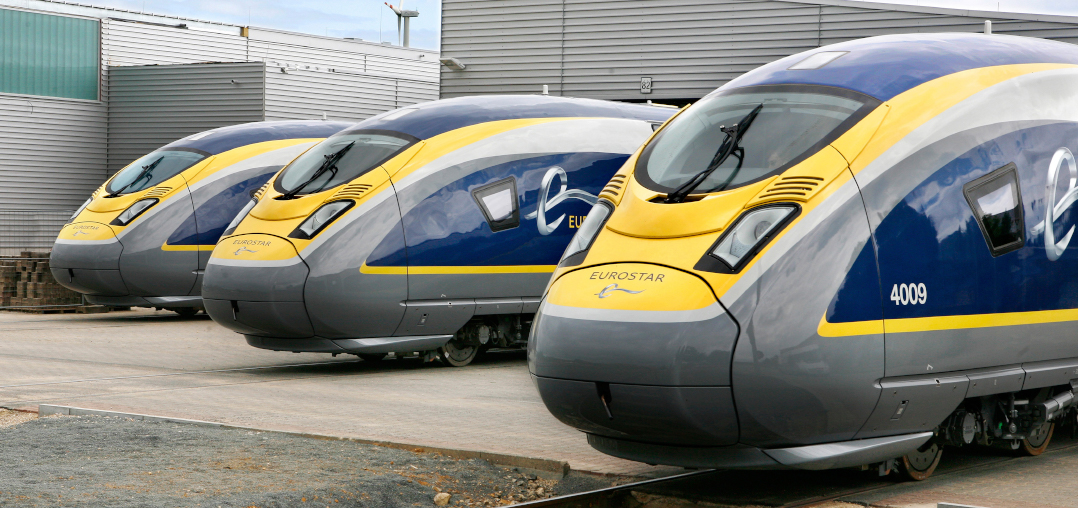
x: 89, y: 268
x: 667, y: 382
x: 270, y: 303
x: 331, y: 308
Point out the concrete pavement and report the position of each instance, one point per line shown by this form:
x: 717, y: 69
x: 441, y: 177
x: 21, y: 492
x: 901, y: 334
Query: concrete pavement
x: 154, y: 362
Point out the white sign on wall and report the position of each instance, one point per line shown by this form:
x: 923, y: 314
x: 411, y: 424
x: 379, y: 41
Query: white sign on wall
x: 645, y: 85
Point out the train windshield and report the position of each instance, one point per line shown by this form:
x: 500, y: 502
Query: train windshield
x: 793, y: 123
x: 340, y: 159
x: 152, y: 169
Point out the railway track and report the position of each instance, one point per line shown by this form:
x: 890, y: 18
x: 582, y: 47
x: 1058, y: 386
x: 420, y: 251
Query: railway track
x: 780, y: 489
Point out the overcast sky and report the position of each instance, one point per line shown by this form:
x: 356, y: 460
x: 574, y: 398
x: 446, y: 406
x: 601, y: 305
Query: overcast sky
x: 366, y: 19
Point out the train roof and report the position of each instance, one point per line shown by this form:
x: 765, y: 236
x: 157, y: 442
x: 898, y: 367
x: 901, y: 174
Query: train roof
x: 436, y: 117
x: 224, y: 139
x: 888, y: 65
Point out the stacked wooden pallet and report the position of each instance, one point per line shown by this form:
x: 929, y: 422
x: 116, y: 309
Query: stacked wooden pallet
x: 26, y: 284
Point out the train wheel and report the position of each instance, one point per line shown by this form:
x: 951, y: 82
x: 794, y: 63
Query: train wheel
x: 186, y: 311
x: 372, y: 357
x: 920, y: 464
x: 457, y: 354
x: 1037, y: 441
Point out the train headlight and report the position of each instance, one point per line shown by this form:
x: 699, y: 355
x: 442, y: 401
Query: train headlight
x: 81, y: 208
x: 751, y: 232
x: 321, y: 218
x: 585, y: 236
x: 239, y: 217
x: 133, y: 211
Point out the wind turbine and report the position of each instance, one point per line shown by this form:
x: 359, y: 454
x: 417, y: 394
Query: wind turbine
x: 407, y: 15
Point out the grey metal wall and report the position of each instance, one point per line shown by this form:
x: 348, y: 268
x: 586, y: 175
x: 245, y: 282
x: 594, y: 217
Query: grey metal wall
x: 128, y: 43
x: 150, y: 106
x: 52, y: 152
x: 296, y: 93
x: 601, y: 48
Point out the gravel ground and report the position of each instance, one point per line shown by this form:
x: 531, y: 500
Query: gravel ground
x: 112, y: 462
x: 9, y: 418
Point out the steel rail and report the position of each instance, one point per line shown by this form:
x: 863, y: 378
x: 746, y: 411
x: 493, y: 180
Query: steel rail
x: 599, y: 494
x: 595, y: 498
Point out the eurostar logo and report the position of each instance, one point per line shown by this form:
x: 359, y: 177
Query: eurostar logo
x: 243, y: 249
x: 609, y: 291
x: 79, y: 232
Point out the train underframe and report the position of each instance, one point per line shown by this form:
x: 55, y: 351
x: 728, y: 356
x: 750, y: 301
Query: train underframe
x: 479, y: 334
x: 1020, y: 422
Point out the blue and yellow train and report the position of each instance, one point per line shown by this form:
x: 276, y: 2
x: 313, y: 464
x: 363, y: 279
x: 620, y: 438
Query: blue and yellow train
x: 143, y: 238
x: 430, y: 229
x: 854, y: 255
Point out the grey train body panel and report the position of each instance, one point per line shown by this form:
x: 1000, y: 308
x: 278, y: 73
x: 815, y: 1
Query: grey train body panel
x: 149, y: 270
x: 346, y: 303
x: 488, y: 285
x: 783, y: 365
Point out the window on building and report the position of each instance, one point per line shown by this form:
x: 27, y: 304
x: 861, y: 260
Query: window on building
x: 48, y: 55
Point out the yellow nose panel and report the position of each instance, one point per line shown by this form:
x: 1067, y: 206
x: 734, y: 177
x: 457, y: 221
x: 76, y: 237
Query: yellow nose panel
x: 631, y: 286
x: 86, y: 231
x: 255, y: 248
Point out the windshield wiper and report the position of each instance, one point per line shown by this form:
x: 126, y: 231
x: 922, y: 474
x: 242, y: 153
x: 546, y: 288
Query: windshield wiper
x: 330, y: 164
x: 730, y: 145
x: 146, y: 172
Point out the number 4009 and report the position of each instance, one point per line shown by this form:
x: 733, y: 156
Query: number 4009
x: 909, y: 294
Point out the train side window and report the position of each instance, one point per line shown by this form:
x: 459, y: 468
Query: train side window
x: 499, y: 204
x: 996, y: 200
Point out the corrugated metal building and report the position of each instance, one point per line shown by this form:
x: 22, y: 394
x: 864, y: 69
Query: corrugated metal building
x: 605, y: 49
x: 132, y: 82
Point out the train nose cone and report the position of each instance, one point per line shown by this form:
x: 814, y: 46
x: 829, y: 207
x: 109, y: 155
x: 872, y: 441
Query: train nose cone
x: 254, y: 285
x: 86, y: 258
x: 636, y: 353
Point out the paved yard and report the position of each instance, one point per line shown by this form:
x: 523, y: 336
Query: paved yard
x: 157, y: 363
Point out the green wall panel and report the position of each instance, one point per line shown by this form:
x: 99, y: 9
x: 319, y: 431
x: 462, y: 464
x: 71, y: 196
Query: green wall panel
x: 53, y: 56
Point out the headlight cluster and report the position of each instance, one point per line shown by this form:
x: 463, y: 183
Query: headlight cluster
x: 750, y: 233
x: 239, y: 217
x: 585, y: 236
x: 321, y: 218
x: 133, y: 211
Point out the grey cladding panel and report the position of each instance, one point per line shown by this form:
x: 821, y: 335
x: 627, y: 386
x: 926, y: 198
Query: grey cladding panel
x: 125, y: 43
x: 304, y: 94
x: 1050, y: 373
x: 521, y: 63
x: 61, y: 142
x: 150, y: 106
x: 601, y: 48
